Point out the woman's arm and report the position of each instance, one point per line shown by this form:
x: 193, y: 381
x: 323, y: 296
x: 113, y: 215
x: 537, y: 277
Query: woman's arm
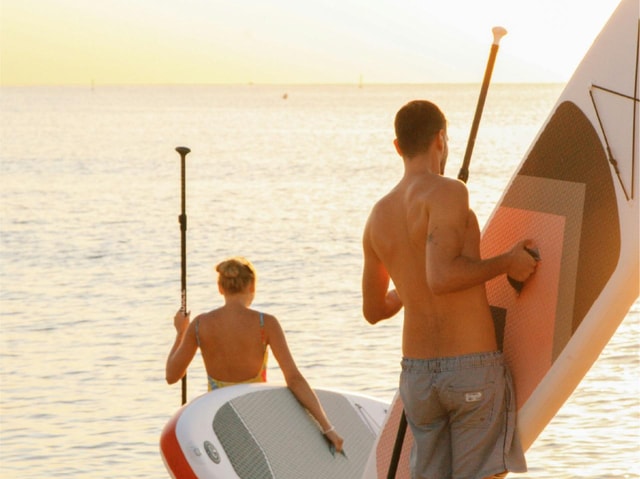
x: 296, y: 381
x: 183, y: 349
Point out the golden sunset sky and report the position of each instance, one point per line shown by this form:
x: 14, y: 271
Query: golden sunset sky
x: 292, y: 41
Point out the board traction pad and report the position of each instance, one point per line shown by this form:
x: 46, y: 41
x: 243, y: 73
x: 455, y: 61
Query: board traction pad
x: 268, y: 435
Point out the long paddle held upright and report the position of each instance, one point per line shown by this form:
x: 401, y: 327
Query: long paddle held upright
x: 498, y: 33
x: 183, y: 151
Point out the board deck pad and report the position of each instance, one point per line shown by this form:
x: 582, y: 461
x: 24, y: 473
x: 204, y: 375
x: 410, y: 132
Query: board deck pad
x: 253, y: 428
x: 576, y: 195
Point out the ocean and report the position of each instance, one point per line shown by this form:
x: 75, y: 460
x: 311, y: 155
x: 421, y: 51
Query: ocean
x: 284, y: 175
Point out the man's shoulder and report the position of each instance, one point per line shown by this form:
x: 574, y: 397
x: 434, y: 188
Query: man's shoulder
x: 450, y: 183
x: 383, y: 213
x: 436, y: 189
x: 385, y: 202
x: 449, y: 189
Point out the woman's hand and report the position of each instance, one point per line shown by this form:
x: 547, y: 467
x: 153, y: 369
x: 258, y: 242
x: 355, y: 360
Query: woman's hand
x: 334, y: 438
x: 181, y: 321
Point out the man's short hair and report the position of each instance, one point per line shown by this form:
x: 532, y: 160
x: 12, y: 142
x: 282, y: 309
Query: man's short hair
x: 416, y: 124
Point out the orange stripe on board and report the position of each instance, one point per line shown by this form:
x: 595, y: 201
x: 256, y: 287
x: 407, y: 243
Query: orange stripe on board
x: 531, y: 316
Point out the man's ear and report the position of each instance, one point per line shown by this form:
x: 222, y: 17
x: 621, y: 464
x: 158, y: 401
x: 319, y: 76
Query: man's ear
x: 397, y: 145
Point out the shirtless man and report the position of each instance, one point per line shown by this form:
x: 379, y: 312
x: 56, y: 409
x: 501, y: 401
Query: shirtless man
x: 423, y: 236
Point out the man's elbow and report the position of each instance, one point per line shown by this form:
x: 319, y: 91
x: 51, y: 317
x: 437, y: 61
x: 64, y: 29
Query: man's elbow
x: 442, y: 286
x: 372, y: 316
x: 438, y: 288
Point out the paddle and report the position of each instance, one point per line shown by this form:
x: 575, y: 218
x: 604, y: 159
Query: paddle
x: 183, y: 151
x: 498, y: 33
x: 463, y: 175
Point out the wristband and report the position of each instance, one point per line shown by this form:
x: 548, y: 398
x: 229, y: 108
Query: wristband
x: 332, y: 428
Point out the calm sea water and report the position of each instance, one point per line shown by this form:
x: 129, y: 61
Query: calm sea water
x: 90, y: 258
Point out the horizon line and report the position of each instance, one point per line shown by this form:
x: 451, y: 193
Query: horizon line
x: 94, y: 84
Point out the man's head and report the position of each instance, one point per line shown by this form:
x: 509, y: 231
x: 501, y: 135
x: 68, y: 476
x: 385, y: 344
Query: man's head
x: 417, y: 123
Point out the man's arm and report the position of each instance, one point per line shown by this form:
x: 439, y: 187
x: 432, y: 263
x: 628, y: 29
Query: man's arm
x: 448, y: 269
x: 378, y: 302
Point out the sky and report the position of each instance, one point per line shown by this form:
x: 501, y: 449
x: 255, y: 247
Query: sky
x: 292, y: 41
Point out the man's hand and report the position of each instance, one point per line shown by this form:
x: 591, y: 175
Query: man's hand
x: 524, y: 260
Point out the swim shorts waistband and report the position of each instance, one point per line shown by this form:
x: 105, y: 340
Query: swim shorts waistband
x: 454, y: 363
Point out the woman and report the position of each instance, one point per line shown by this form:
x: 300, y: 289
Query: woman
x: 233, y: 340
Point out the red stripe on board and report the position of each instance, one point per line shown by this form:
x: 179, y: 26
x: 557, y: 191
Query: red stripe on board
x: 172, y: 453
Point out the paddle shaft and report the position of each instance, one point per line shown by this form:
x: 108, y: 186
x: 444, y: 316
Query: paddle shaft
x: 498, y: 33
x: 397, y: 447
x: 182, y: 219
x: 463, y: 175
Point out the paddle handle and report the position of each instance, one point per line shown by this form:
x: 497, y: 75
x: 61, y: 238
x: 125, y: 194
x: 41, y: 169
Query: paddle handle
x: 182, y: 219
x: 498, y: 33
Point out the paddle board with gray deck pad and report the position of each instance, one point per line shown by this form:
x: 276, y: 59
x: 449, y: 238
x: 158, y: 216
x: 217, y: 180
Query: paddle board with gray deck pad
x: 576, y: 194
x: 260, y: 431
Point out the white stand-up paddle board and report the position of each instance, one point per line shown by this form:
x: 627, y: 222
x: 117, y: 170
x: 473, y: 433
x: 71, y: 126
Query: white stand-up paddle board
x: 260, y: 431
x: 576, y: 194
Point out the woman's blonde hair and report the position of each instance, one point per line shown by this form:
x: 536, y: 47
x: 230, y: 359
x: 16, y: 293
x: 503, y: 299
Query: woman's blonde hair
x: 235, y: 274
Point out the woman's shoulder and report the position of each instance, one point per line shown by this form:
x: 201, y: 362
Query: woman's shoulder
x: 208, y: 314
x: 266, y: 318
x: 271, y: 324
x: 207, y: 318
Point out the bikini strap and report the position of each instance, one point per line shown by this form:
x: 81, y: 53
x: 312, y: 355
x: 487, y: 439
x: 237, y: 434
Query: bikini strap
x: 198, y: 331
x: 262, y: 329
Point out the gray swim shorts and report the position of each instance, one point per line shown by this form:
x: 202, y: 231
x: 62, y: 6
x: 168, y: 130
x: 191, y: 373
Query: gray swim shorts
x: 462, y: 413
